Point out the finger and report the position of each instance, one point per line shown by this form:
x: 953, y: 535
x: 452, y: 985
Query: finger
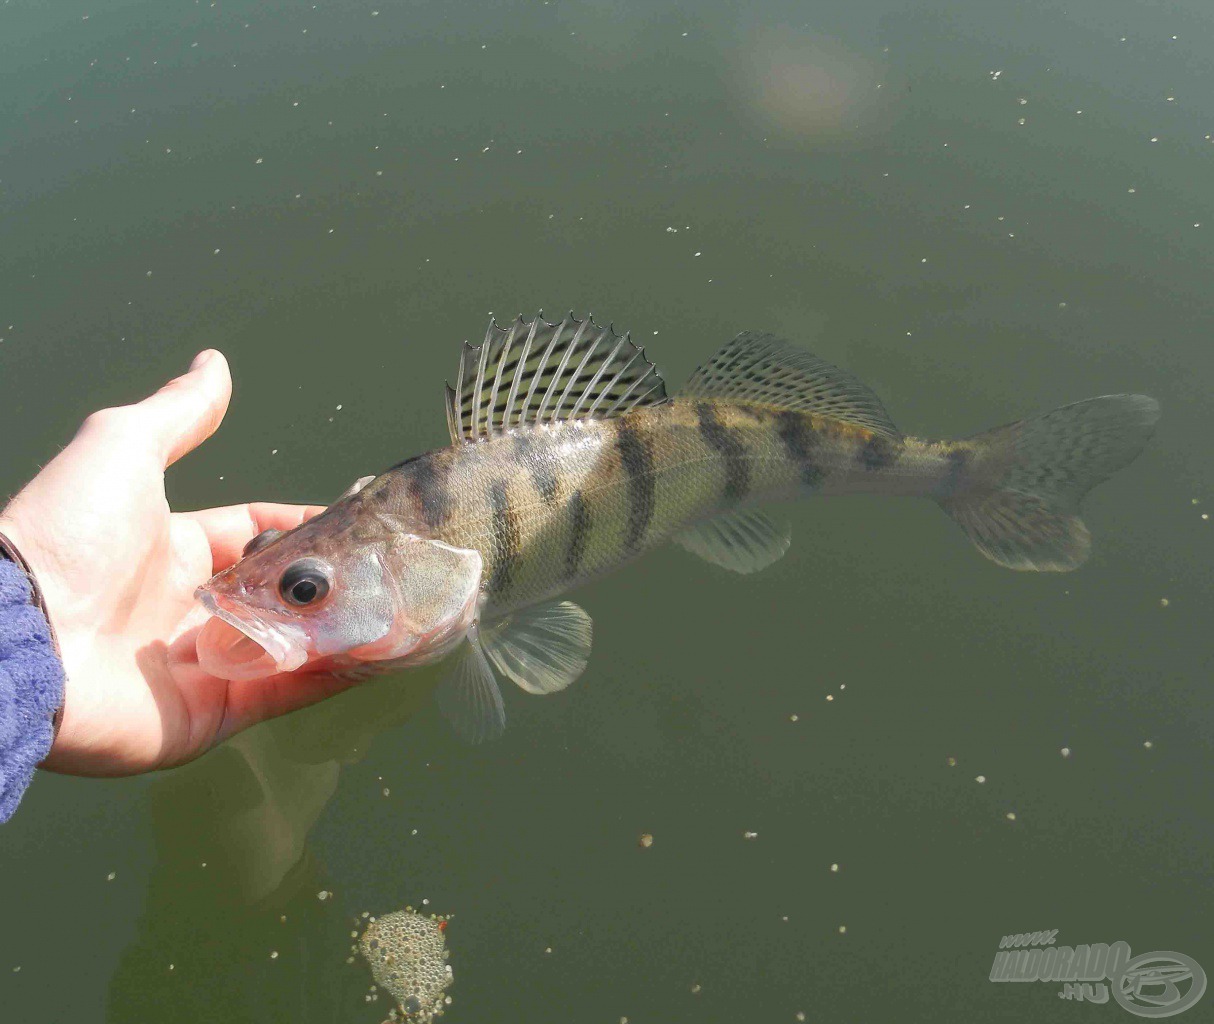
x: 250, y: 701
x: 231, y: 527
x: 187, y: 410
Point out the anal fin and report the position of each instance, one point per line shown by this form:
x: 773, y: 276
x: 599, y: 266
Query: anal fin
x: 742, y: 542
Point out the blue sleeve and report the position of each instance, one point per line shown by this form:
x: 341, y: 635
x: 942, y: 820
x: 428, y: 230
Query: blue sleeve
x: 31, y: 687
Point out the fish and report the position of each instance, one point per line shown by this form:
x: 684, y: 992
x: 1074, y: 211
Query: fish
x: 568, y: 460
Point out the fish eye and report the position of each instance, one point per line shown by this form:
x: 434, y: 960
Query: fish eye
x: 304, y: 582
x: 260, y: 541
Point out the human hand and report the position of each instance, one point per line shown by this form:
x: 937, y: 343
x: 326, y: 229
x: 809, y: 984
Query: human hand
x: 118, y: 570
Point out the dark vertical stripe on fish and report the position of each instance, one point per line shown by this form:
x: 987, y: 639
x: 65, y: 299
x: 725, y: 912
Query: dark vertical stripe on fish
x: 722, y: 440
x: 507, y: 539
x: 799, y: 440
x: 428, y: 485
x: 637, y: 460
x: 879, y: 452
x: 579, y: 534
x: 540, y: 465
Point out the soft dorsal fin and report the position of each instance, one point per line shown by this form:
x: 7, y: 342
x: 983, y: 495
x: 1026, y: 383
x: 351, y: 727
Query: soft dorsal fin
x: 536, y: 372
x: 761, y: 369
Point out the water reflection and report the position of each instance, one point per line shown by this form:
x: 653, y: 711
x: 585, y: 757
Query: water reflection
x: 233, y: 928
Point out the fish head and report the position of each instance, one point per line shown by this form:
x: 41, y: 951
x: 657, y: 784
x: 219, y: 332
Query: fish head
x: 335, y: 595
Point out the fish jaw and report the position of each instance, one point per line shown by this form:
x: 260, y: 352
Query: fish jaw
x: 238, y: 644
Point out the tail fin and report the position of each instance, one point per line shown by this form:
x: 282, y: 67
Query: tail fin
x: 1019, y: 502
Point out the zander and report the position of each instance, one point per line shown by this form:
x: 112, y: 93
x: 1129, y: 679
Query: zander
x: 567, y: 460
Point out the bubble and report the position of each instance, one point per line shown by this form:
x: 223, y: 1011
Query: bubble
x: 407, y: 954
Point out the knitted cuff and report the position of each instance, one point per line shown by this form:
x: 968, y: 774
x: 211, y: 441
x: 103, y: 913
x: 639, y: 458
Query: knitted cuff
x: 31, y: 678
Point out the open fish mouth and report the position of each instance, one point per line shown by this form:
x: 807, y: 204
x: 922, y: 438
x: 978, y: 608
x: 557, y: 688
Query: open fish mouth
x: 236, y: 644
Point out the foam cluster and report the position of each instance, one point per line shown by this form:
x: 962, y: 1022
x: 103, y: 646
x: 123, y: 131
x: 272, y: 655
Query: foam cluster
x: 408, y: 955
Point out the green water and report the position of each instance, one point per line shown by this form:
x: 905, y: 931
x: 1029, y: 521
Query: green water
x: 337, y: 198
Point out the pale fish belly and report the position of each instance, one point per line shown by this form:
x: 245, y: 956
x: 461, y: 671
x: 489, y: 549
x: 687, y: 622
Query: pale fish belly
x: 551, y: 507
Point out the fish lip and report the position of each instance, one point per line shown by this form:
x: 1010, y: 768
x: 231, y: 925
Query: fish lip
x: 287, y: 654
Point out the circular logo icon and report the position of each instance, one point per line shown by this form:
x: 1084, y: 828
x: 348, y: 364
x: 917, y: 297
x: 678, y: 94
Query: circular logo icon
x: 1159, y: 984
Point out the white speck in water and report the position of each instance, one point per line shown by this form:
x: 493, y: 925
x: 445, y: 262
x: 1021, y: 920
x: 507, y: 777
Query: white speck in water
x: 273, y: 954
x: 215, y: 253
x: 835, y: 868
x: 324, y: 894
x: 979, y: 779
x: 830, y: 696
x: 695, y: 989
x: 258, y: 160
x: 699, y: 254
x: 1163, y: 602
x: 1147, y: 744
x: 547, y: 949
x: 750, y: 835
x: 387, y: 791
x: 273, y: 451
x: 1023, y: 101
x: 1011, y: 815
x: 800, y: 1015
x: 842, y: 929
x: 1065, y: 751
x: 111, y: 876
x: 793, y: 718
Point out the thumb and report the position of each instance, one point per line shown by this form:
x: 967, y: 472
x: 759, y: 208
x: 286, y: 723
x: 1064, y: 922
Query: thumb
x: 188, y: 409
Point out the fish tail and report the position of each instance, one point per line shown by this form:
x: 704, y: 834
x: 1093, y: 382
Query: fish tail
x: 1017, y: 488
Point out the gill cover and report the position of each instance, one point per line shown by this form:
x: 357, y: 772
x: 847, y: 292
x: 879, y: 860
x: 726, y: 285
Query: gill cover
x: 436, y: 591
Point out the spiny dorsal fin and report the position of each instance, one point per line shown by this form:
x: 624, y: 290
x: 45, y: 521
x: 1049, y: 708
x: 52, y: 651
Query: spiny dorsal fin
x: 761, y: 369
x: 537, y: 372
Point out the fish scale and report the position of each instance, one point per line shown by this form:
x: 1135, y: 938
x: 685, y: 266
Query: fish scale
x: 622, y: 487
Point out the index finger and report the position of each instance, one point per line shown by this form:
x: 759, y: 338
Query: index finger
x: 231, y: 527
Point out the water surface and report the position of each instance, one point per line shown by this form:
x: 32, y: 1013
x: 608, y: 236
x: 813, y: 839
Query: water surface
x: 984, y: 211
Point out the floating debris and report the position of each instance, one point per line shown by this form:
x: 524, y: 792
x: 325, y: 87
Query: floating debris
x: 408, y: 957
x: 646, y: 840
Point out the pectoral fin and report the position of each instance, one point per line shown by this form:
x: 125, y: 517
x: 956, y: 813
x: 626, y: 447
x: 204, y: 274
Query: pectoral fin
x: 469, y: 697
x: 543, y: 649
x: 743, y: 542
